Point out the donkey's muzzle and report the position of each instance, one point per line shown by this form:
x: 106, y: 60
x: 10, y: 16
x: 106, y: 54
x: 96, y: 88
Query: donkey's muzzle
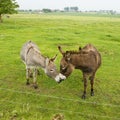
x: 59, y: 78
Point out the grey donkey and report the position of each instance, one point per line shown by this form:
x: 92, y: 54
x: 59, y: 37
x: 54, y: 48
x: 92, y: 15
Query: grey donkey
x: 33, y: 59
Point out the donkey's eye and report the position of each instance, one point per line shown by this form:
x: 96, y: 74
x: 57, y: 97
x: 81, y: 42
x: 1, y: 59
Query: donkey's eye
x: 51, y: 70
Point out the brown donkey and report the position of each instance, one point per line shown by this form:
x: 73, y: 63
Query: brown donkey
x: 87, y: 59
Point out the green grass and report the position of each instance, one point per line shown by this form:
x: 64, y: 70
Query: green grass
x: 21, y: 102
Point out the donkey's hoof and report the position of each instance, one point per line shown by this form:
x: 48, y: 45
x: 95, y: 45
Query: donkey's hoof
x: 31, y: 76
x: 92, y: 93
x: 38, y: 72
x: 27, y: 83
x: 83, y: 96
x: 35, y: 86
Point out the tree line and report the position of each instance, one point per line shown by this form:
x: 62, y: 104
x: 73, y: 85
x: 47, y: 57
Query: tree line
x: 10, y: 7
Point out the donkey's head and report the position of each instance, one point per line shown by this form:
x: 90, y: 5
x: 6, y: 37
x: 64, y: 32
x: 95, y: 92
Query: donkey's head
x: 51, y: 70
x: 66, y: 67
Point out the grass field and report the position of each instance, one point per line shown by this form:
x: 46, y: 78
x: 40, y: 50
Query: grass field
x: 21, y: 102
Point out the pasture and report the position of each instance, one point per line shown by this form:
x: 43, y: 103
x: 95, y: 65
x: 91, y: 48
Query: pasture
x: 21, y: 102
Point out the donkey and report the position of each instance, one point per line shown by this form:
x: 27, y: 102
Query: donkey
x: 33, y: 59
x: 87, y: 59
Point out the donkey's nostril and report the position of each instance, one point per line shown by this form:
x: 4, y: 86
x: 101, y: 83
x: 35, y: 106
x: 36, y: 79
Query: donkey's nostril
x: 59, y: 81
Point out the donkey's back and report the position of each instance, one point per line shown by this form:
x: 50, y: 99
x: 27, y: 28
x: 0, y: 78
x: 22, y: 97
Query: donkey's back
x: 26, y: 48
x: 90, y: 48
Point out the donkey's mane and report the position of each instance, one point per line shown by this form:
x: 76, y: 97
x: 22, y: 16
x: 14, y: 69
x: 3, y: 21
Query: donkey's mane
x: 32, y: 47
x: 73, y: 52
x: 36, y: 50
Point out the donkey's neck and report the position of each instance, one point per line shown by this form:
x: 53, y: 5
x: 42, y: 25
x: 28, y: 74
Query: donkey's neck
x: 38, y: 59
x: 76, y: 59
x: 42, y: 61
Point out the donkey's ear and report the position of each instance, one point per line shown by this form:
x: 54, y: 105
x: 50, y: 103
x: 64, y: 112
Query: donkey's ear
x: 80, y: 48
x: 47, y: 61
x: 60, y: 49
x: 54, y: 58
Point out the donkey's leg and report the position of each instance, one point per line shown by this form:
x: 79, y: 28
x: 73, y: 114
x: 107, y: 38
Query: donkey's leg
x: 85, y: 85
x: 38, y: 72
x: 34, y: 78
x: 27, y: 75
x: 92, y: 83
x: 30, y: 73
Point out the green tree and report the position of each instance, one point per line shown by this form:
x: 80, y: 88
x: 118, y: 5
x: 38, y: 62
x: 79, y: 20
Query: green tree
x: 7, y: 7
x: 66, y: 9
x: 74, y: 9
x: 46, y: 10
